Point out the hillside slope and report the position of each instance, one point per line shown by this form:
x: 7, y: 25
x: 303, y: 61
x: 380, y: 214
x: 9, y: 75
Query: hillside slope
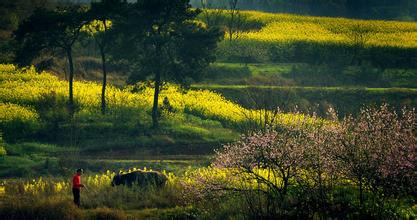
x: 33, y: 107
x: 37, y: 102
x: 268, y: 37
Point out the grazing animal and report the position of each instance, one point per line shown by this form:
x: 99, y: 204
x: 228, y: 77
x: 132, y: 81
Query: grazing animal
x: 141, y: 178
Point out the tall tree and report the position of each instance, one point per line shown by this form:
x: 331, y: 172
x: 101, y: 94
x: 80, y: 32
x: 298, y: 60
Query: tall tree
x: 101, y: 15
x: 167, y: 43
x: 51, y: 31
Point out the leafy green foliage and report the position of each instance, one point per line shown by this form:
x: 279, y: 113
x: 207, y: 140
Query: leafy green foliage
x: 51, y: 30
x: 166, y: 44
x: 48, y: 30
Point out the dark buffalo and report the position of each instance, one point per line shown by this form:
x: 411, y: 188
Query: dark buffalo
x: 141, y: 178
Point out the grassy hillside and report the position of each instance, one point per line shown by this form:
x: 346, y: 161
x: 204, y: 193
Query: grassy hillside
x: 34, y: 117
x: 292, y: 28
x: 34, y: 99
x: 312, y: 62
x: 267, y: 37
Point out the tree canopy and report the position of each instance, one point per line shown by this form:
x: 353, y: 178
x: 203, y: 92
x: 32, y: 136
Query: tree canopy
x: 164, y: 42
x: 51, y: 31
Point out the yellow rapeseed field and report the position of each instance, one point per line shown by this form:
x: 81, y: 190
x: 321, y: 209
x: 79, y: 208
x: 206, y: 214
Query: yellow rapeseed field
x: 20, y: 89
x: 285, y: 28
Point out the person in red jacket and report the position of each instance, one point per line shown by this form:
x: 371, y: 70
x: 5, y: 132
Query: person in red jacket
x: 76, y: 185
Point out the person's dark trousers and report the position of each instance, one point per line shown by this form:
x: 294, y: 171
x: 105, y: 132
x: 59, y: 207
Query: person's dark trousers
x: 76, y: 193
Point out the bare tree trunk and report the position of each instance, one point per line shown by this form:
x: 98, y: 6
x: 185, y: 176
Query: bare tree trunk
x: 71, y: 79
x: 234, y: 11
x: 103, y: 89
x: 155, y: 99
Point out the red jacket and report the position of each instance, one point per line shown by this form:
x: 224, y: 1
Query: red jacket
x: 76, y: 181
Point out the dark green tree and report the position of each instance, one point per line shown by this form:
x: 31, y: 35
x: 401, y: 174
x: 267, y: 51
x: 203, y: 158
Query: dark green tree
x: 165, y: 43
x: 101, y: 16
x: 12, y: 13
x: 51, y: 31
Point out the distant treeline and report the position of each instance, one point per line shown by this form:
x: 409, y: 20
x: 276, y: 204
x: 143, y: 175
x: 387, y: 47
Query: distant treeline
x: 369, y: 9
